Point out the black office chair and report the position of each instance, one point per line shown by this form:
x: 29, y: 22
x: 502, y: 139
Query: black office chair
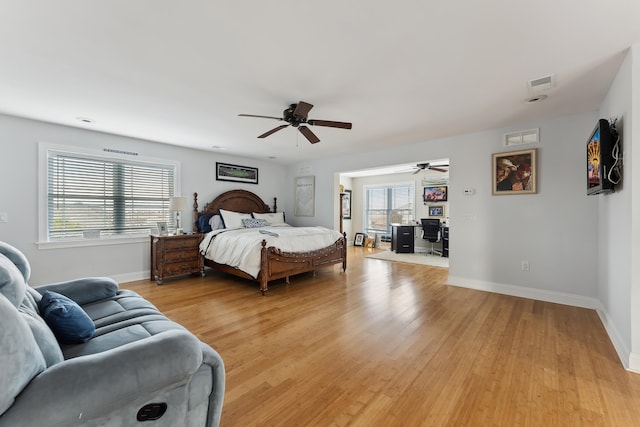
x: 431, y: 232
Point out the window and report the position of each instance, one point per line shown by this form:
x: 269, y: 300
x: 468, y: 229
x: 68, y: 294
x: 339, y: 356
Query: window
x: 383, y: 202
x: 91, y: 195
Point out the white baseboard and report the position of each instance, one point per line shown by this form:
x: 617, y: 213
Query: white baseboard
x: 131, y: 277
x: 623, y: 352
x: 629, y: 360
x: 519, y: 291
x: 634, y: 363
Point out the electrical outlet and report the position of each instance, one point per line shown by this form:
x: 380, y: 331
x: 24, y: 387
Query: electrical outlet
x: 524, y: 265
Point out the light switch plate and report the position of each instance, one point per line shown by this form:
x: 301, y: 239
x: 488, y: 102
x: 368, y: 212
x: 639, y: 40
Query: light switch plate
x: 4, y: 217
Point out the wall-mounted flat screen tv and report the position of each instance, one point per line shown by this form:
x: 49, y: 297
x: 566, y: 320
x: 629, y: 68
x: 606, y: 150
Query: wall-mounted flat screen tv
x: 599, y: 158
x: 435, y: 193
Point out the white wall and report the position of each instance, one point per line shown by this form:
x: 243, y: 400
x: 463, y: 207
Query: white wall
x: 491, y: 235
x: 616, y: 221
x: 19, y: 140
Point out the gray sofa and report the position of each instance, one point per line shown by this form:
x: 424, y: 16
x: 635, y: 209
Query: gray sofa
x: 137, y: 367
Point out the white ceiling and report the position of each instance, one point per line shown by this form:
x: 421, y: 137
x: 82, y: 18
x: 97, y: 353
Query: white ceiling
x: 401, y: 72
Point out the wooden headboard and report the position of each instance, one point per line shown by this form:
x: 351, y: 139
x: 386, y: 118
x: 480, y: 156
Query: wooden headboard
x: 242, y: 201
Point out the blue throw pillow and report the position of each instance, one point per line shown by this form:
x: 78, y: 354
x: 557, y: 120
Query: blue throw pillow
x: 203, y: 223
x: 68, y: 321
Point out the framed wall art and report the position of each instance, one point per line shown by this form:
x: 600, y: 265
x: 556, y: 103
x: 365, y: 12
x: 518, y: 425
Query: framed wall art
x: 436, y: 211
x: 514, y: 172
x: 236, y: 173
x: 304, y: 196
x: 346, y: 204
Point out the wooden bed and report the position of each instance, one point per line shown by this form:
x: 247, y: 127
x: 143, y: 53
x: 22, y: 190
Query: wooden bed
x: 274, y: 263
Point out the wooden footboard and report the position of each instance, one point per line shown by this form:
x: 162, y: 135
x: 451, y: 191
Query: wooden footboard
x: 276, y: 264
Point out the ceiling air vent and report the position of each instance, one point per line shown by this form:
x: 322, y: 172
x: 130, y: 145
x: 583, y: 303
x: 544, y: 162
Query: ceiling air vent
x: 530, y: 136
x: 542, y: 84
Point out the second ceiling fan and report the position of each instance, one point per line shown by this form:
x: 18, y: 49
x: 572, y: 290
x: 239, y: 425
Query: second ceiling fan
x: 425, y: 166
x: 297, y: 116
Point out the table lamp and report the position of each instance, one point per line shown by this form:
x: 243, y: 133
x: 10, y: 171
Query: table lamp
x: 177, y: 205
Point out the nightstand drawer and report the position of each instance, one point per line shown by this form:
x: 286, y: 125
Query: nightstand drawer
x: 180, y: 267
x: 186, y: 254
x: 181, y: 243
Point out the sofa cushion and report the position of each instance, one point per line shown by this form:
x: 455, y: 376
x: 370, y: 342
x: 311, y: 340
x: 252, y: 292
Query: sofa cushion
x: 20, y: 357
x: 44, y: 337
x: 67, y: 320
x: 12, y: 283
x: 17, y: 258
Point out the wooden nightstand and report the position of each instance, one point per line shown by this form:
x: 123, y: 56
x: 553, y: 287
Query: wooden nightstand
x: 175, y: 255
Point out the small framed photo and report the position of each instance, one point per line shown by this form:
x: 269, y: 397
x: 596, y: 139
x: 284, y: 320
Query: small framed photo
x: 162, y: 228
x: 346, y: 204
x: 514, y: 172
x: 236, y: 173
x: 359, y: 239
x: 436, y: 211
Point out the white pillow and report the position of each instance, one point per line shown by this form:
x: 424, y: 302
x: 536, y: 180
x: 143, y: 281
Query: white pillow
x: 216, y: 222
x: 273, y: 218
x: 233, y: 219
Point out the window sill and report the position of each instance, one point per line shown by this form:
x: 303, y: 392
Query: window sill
x: 103, y: 241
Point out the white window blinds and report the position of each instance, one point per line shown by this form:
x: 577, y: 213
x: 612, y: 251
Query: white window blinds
x: 384, y: 201
x: 111, y: 196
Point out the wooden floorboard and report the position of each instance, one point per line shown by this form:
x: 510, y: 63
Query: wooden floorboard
x: 390, y: 344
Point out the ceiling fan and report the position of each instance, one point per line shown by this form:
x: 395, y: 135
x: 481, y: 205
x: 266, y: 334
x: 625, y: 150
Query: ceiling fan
x: 424, y: 166
x: 296, y: 116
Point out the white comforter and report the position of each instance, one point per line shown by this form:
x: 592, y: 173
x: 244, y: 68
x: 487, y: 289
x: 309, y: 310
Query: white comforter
x: 240, y: 248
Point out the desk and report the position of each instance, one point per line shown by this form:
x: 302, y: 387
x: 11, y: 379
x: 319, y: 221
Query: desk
x: 403, y: 238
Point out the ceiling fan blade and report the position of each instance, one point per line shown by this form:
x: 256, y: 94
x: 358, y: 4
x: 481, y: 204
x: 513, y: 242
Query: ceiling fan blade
x: 274, y: 130
x: 329, y: 123
x: 416, y: 171
x: 302, y: 109
x: 262, y: 117
x: 437, y: 169
x: 308, y: 134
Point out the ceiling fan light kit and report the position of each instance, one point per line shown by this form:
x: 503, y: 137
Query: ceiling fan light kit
x: 297, y: 116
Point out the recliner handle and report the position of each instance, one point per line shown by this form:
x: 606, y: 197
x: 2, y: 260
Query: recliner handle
x: 151, y: 411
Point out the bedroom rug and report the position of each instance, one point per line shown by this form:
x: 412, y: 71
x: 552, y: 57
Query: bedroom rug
x: 433, y: 260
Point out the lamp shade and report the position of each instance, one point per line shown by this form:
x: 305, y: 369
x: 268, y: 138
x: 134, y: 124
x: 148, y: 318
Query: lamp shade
x: 178, y: 204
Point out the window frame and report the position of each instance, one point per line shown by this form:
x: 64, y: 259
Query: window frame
x: 387, y: 187
x: 90, y: 153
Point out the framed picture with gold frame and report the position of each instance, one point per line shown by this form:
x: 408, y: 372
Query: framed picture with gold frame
x: 514, y: 172
x: 436, y: 211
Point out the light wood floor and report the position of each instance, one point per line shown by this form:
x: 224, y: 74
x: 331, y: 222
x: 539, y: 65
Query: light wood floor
x: 389, y: 344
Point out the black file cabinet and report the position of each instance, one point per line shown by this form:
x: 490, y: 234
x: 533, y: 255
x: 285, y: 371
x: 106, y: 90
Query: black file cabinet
x: 445, y: 242
x: 402, y: 239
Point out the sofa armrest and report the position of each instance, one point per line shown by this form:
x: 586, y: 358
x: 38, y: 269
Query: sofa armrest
x: 83, y: 291
x: 88, y: 387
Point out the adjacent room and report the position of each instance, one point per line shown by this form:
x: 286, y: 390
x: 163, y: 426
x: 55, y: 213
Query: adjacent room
x: 346, y: 214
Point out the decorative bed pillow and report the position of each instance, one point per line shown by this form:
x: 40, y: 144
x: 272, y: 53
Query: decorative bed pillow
x: 274, y: 218
x: 233, y: 219
x: 68, y: 321
x: 216, y: 222
x: 203, y: 223
x: 254, y: 222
